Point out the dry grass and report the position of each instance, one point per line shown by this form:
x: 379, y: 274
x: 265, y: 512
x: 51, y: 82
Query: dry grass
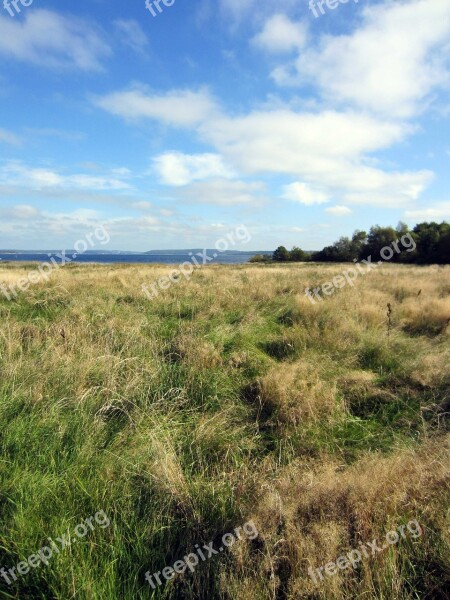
x: 227, y: 398
x: 315, y: 513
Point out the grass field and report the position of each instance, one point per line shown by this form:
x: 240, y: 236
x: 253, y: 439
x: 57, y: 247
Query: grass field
x: 228, y: 398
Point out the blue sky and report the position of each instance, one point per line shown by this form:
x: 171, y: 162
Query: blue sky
x: 172, y: 130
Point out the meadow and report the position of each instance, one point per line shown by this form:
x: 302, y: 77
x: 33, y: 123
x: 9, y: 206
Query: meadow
x: 227, y: 398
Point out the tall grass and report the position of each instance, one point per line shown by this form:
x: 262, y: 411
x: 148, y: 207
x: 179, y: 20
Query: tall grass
x: 227, y: 398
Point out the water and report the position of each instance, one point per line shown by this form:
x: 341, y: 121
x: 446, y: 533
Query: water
x: 175, y: 258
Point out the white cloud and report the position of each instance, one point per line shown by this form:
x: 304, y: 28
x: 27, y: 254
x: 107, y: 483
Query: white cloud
x: 304, y: 194
x: 241, y: 11
x: 21, y: 211
x: 438, y: 212
x: 131, y: 34
x: 237, y: 8
x: 51, y: 40
x: 56, y: 230
x: 222, y: 192
x: 9, y: 138
x: 140, y: 224
x: 338, y: 211
x: 122, y: 172
x: 285, y: 141
x: 329, y: 150
x: 142, y: 206
x: 389, y: 65
x: 377, y: 188
x: 179, y: 169
x: 20, y: 175
x: 166, y: 212
x: 27, y: 220
x: 94, y: 183
x: 280, y: 34
x: 42, y: 178
x: 177, y: 107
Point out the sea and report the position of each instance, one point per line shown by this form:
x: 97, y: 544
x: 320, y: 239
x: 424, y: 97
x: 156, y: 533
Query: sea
x: 175, y: 257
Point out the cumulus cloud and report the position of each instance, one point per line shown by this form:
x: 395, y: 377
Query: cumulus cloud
x: 338, y: 211
x: 52, y: 40
x: 328, y: 150
x: 280, y: 34
x: 389, y: 65
x: 304, y: 194
x: 374, y: 187
x: 368, y: 84
x: 175, y: 168
x: 286, y: 141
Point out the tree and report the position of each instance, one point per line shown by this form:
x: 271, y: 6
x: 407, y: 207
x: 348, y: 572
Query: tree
x: 359, y: 240
x: 260, y: 258
x: 378, y: 238
x: 401, y: 229
x: 344, y: 250
x: 297, y: 255
x: 281, y: 254
x: 432, y: 244
x: 444, y: 248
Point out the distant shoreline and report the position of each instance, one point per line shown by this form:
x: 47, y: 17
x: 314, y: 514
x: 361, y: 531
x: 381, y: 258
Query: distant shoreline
x: 165, y: 258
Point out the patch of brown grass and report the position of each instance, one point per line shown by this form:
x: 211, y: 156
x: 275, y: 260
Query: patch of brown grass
x: 310, y: 514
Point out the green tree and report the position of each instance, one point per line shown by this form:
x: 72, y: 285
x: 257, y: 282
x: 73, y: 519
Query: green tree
x: 359, y: 240
x: 281, y: 254
x: 297, y: 255
x: 432, y: 243
x: 444, y: 246
x: 344, y: 250
x: 260, y: 258
x: 379, y: 238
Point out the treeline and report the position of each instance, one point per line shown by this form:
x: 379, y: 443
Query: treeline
x: 427, y: 243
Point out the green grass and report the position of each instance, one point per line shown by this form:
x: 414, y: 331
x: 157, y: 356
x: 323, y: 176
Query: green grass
x: 151, y: 412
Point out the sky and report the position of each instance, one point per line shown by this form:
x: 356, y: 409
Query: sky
x: 172, y: 126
